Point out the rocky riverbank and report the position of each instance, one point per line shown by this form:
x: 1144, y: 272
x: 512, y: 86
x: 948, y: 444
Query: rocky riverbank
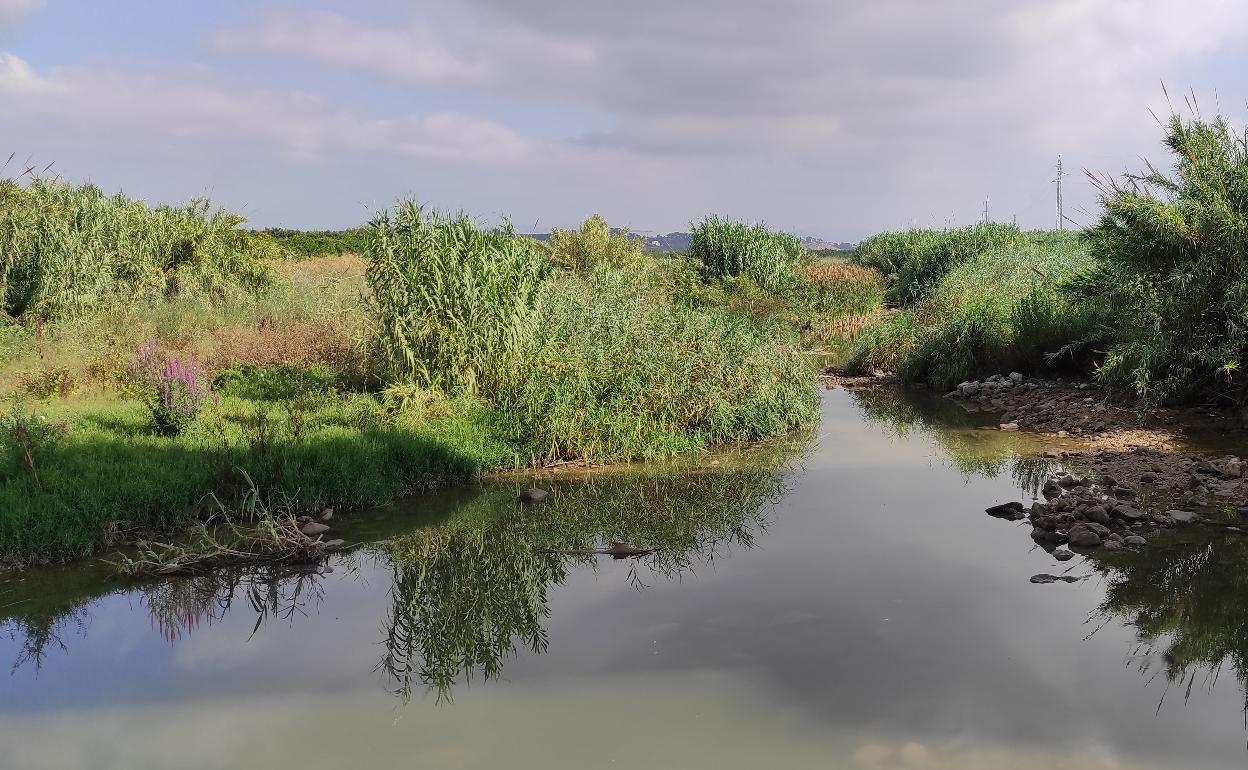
x: 1087, y: 411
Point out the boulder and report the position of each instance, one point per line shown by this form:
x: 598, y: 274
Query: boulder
x: 313, y: 528
x: 1083, y: 537
x: 533, y: 495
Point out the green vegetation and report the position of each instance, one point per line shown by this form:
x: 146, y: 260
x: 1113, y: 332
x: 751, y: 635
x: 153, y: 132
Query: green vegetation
x: 1173, y: 253
x: 455, y: 350
x: 1001, y: 309
x: 730, y: 249
x: 1153, y: 298
x: 305, y: 244
x: 597, y: 363
x: 68, y: 250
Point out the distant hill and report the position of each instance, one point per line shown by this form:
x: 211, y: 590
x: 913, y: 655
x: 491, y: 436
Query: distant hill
x: 680, y: 242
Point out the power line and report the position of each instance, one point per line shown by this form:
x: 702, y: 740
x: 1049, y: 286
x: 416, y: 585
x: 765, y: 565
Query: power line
x: 1061, y: 216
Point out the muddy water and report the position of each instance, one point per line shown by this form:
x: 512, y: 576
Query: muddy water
x: 837, y: 602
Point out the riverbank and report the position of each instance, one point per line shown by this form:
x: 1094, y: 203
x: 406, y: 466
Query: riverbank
x: 1117, y: 475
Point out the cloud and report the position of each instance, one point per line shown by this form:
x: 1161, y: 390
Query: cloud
x: 189, y: 109
x: 834, y: 117
x: 13, y: 11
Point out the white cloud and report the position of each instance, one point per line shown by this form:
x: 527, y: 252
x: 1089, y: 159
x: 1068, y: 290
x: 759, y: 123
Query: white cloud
x: 12, y: 11
x: 18, y: 79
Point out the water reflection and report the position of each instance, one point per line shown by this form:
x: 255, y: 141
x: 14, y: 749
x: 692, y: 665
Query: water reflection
x: 1186, y: 597
x: 969, y: 439
x: 467, y: 592
x: 1188, y: 602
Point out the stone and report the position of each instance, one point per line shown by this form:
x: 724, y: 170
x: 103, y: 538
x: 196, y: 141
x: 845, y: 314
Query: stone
x: 335, y: 543
x: 533, y: 495
x: 1015, y: 377
x: 1134, y: 540
x: 312, y: 528
x: 1051, y: 489
x: 1108, y: 482
x: 1062, y: 554
x: 1008, y: 426
x: 1112, y: 545
x: 1234, y: 469
x: 1098, y: 514
x: 1045, y: 579
x: 1181, y: 517
x: 1083, y: 537
x: 1054, y: 454
x: 327, y: 514
x: 1011, y: 511
x: 1148, y: 477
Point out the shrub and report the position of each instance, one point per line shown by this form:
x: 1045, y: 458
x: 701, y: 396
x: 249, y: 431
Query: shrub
x: 914, y: 261
x: 1000, y: 310
x: 174, y: 391
x: 67, y: 250
x: 728, y: 249
x: 1174, y: 252
x: 620, y: 371
x: 306, y: 244
x: 455, y: 304
x: 592, y: 245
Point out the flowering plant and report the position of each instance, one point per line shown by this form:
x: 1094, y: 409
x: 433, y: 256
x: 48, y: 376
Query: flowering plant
x: 175, y: 391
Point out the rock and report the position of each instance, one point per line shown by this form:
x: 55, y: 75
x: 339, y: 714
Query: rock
x: 327, y: 514
x: 1011, y: 511
x: 1234, y: 468
x: 335, y: 543
x: 1108, y: 482
x: 969, y: 388
x: 1134, y: 540
x: 1044, y: 579
x: 1112, y: 545
x: 1054, y: 454
x: 1009, y: 426
x: 1148, y: 477
x: 1062, y: 554
x: 304, y: 519
x: 1051, y: 489
x: 1181, y: 517
x: 1098, y: 514
x: 533, y: 495
x: 1015, y: 377
x: 312, y: 528
x: 1083, y: 537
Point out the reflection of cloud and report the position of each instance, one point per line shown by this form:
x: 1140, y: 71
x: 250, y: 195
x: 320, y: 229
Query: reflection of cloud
x: 684, y: 721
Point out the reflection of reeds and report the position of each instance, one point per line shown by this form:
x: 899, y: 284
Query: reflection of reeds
x: 468, y: 593
x: 1187, y: 597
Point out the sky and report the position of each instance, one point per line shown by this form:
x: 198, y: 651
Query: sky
x: 830, y: 118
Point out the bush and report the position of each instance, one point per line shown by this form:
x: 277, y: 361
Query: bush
x: 68, y: 250
x: 1000, y: 310
x: 728, y: 249
x: 592, y: 245
x: 305, y: 244
x: 621, y: 371
x: 914, y: 261
x: 455, y: 304
x: 1173, y: 253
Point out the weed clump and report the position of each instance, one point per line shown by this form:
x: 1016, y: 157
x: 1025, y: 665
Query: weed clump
x: 728, y: 249
x: 68, y: 250
x: 1172, y: 251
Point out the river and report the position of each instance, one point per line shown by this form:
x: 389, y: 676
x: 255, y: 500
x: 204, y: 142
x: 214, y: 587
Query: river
x: 839, y: 600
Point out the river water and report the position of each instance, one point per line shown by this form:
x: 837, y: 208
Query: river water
x: 837, y: 601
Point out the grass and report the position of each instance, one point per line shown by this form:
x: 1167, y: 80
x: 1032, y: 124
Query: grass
x: 108, y: 476
x: 731, y: 249
x: 999, y: 310
x: 67, y: 250
x: 453, y: 351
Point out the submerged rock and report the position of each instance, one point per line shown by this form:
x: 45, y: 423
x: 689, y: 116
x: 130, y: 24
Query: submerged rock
x: 1044, y: 579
